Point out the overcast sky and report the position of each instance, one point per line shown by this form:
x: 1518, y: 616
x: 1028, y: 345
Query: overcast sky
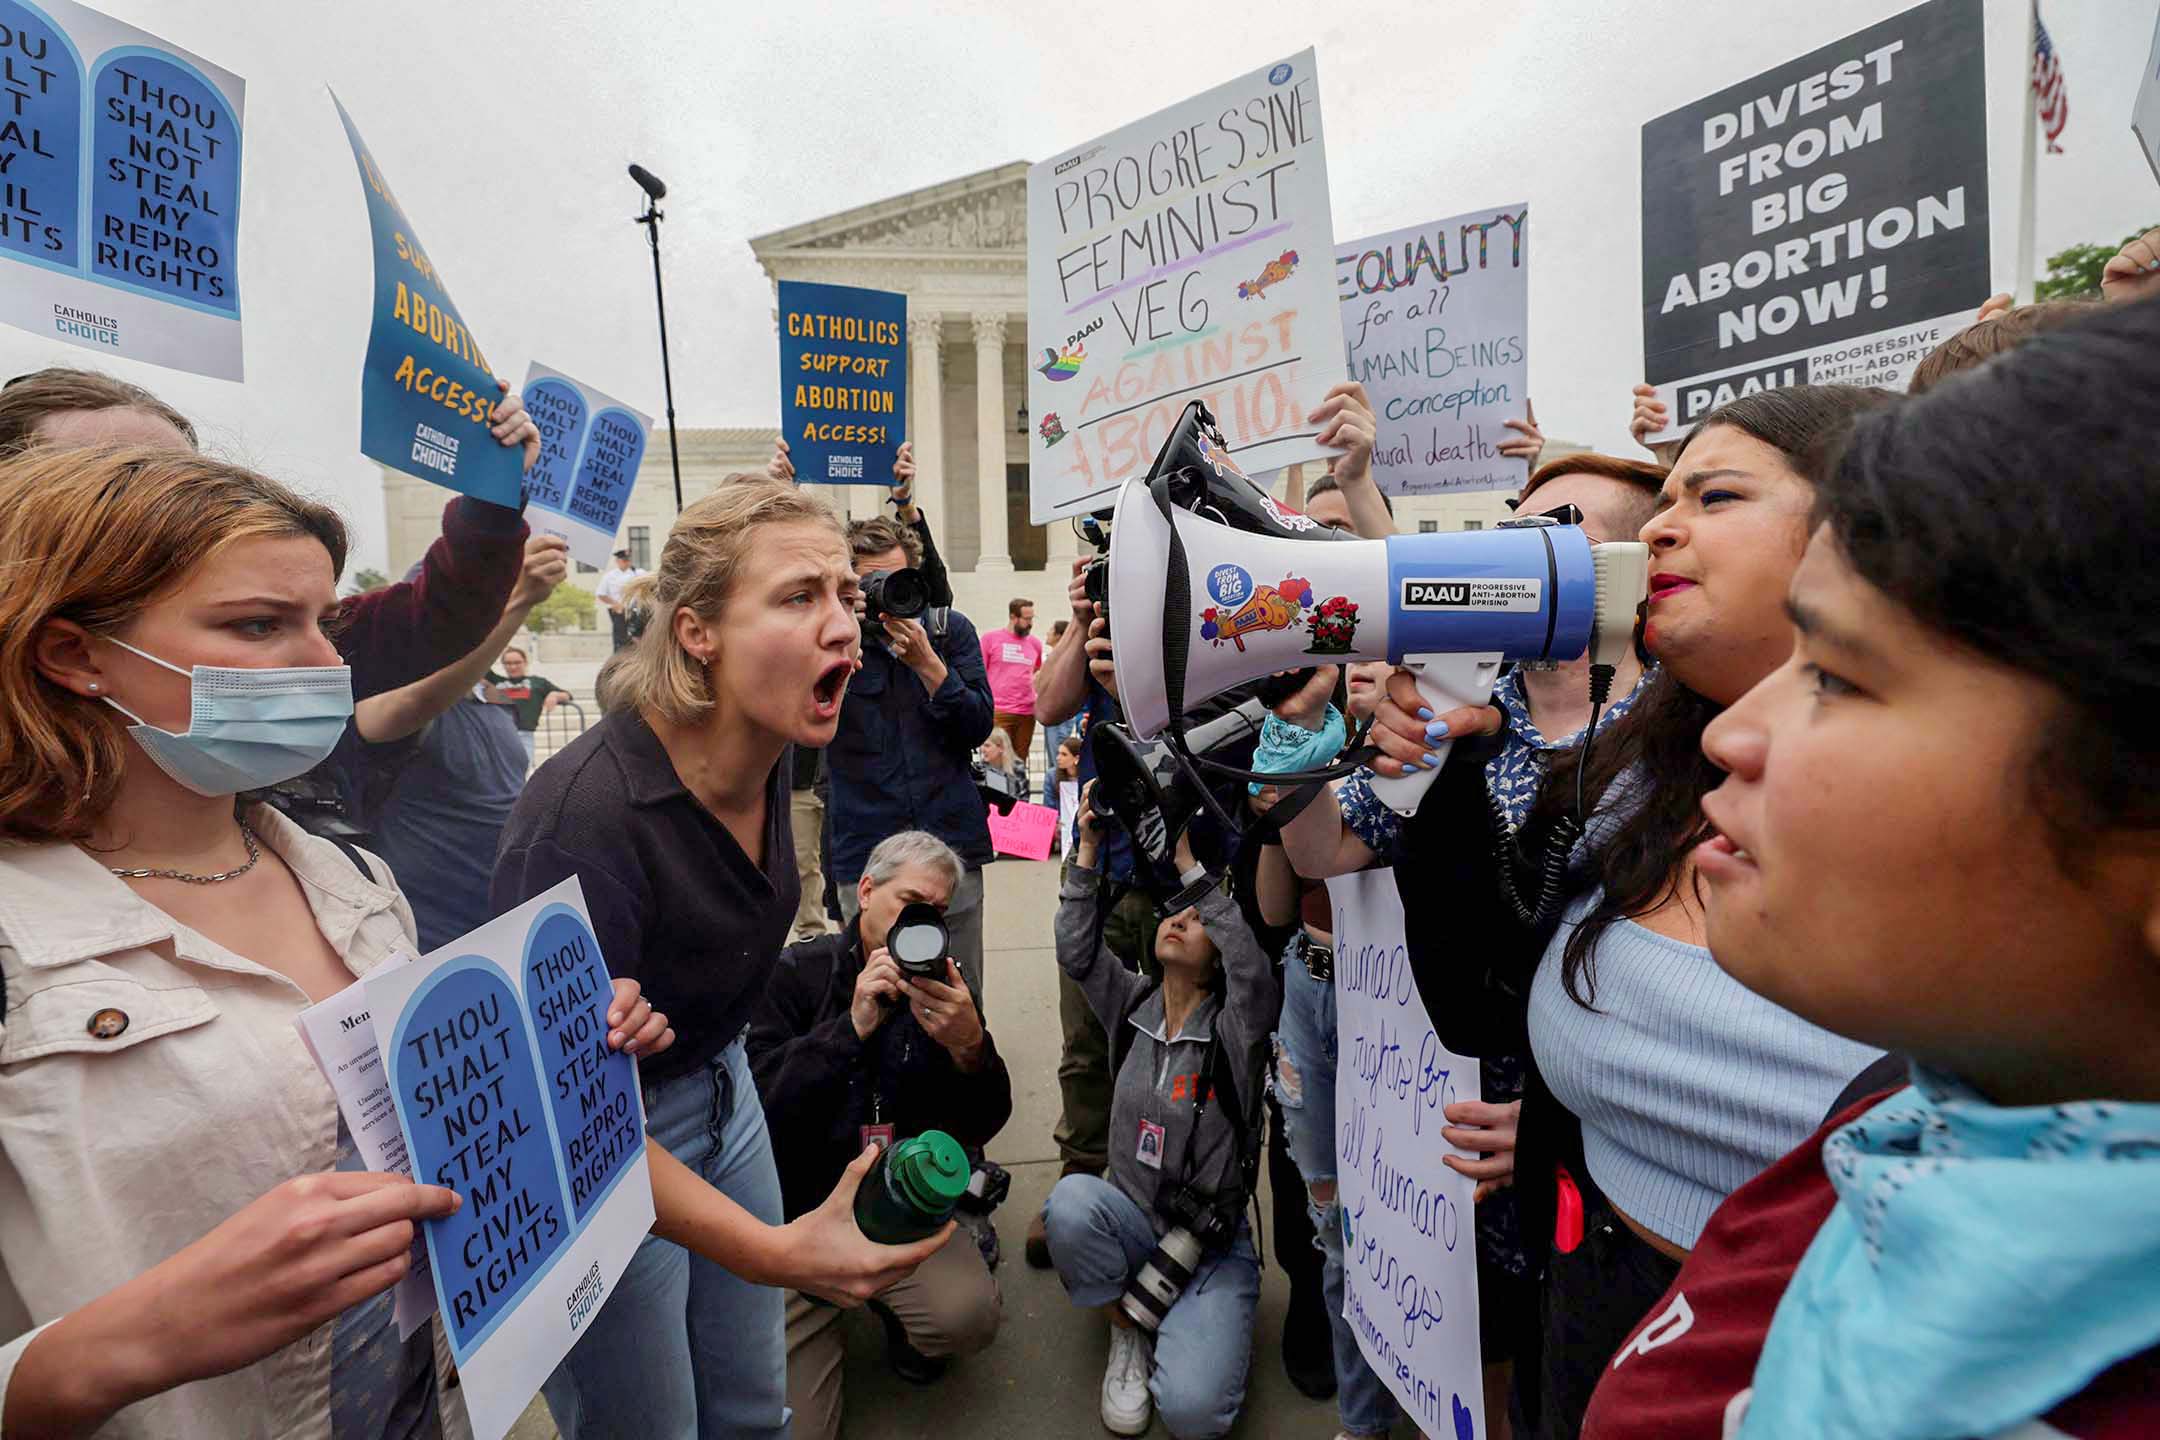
x: 505, y: 128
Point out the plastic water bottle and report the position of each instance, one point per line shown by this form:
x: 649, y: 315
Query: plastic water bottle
x: 913, y: 1188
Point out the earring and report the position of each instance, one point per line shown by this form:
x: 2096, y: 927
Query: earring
x: 93, y: 687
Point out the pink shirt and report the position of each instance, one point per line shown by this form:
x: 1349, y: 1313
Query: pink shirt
x: 1012, y: 661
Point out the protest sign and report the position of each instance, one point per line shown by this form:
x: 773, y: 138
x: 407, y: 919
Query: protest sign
x: 1182, y: 257
x: 2145, y: 109
x: 843, y: 381
x: 426, y: 391
x: 1025, y: 833
x: 1825, y: 222
x: 338, y: 1033
x: 590, y: 446
x: 1409, y: 1226
x: 119, y: 189
x: 496, y: 1049
x: 1435, y: 321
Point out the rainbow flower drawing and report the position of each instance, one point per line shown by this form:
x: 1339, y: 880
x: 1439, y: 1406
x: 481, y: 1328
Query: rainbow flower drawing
x: 1062, y: 364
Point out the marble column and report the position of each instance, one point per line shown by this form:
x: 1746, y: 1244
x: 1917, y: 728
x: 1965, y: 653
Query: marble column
x: 990, y: 442
x: 926, y: 386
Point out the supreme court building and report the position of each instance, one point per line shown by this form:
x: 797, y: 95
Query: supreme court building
x: 958, y: 251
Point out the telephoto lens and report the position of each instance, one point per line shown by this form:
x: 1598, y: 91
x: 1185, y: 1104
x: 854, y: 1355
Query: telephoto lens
x: 894, y: 594
x: 918, y: 941
x: 1162, y: 1277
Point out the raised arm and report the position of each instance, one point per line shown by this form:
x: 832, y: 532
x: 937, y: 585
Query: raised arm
x: 1061, y: 684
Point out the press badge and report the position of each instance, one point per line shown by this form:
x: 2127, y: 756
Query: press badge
x: 878, y: 1135
x: 1149, y: 1149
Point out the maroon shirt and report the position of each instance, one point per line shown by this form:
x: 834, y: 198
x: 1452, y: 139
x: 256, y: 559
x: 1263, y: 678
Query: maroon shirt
x: 408, y: 631
x: 1688, y: 1363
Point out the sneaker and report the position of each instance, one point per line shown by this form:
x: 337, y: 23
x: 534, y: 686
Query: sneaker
x: 1038, y: 1241
x: 1126, y: 1408
x: 907, y: 1362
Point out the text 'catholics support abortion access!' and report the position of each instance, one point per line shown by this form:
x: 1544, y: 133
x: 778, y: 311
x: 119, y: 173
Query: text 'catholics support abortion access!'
x: 1825, y: 222
x: 1183, y: 257
x: 843, y: 381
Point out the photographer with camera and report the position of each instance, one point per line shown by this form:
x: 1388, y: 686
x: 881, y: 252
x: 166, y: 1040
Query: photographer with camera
x: 902, y: 758
x: 871, y: 1036
x: 1162, y: 1241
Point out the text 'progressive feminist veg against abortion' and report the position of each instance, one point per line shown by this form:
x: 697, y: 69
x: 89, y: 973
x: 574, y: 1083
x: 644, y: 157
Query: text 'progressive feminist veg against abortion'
x: 1184, y: 257
x: 426, y: 390
x: 590, y: 449
x: 497, y: 1058
x: 1435, y: 321
x: 843, y: 381
x: 1825, y: 222
x: 119, y: 190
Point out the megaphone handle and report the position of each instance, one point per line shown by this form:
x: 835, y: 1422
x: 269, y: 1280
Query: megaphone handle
x: 1445, y: 682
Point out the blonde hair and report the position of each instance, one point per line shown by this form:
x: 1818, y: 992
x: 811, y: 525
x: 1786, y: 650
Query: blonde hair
x: 699, y: 564
x: 93, y: 536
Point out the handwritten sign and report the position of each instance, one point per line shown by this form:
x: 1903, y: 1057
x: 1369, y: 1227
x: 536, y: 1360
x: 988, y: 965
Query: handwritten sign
x: 1435, y: 320
x: 2145, y: 110
x: 590, y: 448
x: 426, y: 390
x: 843, y: 381
x: 1824, y: 222
x: 119, y: 189
x: 496, y: 1051
x: 1026, y: 833
x: 1182, y: 257
x: 1409, y: 1241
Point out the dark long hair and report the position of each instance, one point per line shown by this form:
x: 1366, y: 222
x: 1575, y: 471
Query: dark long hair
x: 1653, y: 754
x: 1969, y: 508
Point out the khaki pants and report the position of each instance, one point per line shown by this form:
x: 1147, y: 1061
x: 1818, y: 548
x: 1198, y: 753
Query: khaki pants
x: 950, y: 1306
x: 1020, y: 729
x: 807, y: 812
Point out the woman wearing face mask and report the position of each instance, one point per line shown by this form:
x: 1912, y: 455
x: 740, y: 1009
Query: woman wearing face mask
x: 673, y: 813
x: 182, y: 1202
x: 1937, y: 832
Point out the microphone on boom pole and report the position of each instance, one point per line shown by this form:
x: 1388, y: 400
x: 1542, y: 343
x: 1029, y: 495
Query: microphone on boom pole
x: 655, y: 190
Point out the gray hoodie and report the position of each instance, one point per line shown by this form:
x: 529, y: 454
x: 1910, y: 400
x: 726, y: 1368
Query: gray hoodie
x: 1160, y: 1078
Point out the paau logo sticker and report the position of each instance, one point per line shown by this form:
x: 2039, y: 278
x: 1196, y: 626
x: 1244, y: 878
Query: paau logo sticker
x: 1062, y: 365
x: 1279, y: 74
x: 1271, y: 607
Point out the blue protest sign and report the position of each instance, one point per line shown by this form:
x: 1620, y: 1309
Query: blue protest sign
x: 589, y: 1086
x: 559, y: 410
x: 426, y: 390
x: 119, y: 189
x: 590, y: 447
x: 843, y: 381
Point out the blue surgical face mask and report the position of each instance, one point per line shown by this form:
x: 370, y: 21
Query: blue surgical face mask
x: 249, y: 729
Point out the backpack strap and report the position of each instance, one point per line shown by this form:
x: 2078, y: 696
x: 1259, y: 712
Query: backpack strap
x: 938, y: 621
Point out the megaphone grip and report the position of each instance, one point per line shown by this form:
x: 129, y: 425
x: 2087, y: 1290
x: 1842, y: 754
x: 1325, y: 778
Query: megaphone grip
x: 1445, y: 682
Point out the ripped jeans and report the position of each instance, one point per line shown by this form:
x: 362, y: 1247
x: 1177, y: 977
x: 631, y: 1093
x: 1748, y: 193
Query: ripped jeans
x: 1303, y: 1080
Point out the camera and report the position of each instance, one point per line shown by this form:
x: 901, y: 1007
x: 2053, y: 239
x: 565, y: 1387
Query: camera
x: 994, y: 786
x: 901, y: 594
x: 1095, y: 580
x: 918, y: 941
x: 1197, y: 1225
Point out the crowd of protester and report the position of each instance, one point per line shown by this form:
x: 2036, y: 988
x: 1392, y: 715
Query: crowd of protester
x: 1813, y: 978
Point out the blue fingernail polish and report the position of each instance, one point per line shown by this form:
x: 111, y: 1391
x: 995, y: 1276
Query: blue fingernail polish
x: 1437, y: 730
x: 1432, y: 759
x: 1409, y: 765
x: 1423, y: 713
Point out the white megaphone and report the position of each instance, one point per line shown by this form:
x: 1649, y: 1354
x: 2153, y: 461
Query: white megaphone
x: 1197, y: 606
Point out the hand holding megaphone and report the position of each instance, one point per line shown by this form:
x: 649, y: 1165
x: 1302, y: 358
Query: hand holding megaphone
x: 1405, y: 729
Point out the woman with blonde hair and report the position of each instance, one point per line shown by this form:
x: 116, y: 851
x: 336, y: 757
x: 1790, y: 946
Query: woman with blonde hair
x: 178, y: 1201
x: 673, y: 813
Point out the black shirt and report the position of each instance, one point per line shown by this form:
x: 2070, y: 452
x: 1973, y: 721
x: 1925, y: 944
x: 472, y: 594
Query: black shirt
x: 676, y: 904
x: 527, y: 698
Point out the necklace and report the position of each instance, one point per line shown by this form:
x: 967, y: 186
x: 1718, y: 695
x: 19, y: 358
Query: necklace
x: 247, y: 838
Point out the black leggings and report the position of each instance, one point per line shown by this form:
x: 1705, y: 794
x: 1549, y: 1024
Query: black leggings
x: 1592, y: 1300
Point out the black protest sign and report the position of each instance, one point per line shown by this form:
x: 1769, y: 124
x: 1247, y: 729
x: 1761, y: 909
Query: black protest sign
x: 1825, y: 221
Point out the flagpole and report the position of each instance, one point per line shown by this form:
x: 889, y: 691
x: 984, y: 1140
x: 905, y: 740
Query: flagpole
x: 2028, y: 168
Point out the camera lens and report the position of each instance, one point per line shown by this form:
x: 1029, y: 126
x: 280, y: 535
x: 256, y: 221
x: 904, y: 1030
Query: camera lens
x: 895, y: 594
x: 917, y: 941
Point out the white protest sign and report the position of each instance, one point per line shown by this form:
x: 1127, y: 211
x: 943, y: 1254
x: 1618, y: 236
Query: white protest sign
x: 1183, y: 257
x: 1409, y: 1227
x: 338, y: 1033
x: 119, y: 189
x: 1435, y: 321
x: 496, y: 1048
x: 2145, y: 110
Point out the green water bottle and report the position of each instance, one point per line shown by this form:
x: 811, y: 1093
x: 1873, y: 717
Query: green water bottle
x: 912, y: 1189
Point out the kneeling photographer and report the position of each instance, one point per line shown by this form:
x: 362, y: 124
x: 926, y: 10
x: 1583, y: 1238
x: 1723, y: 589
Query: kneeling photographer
x: 1162, y: 1239
x: 871, y: 1036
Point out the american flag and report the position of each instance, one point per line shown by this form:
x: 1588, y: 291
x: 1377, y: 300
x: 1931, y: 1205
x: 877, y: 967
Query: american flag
x: 2047, y: 85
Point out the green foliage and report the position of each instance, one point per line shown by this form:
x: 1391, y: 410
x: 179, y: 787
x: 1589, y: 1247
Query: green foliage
x: 2075, y: 273
x: 366, y: 580
x: 570, y: 606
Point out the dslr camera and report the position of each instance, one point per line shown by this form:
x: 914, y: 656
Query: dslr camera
x: 901, y: 594
x: 994, y: 786
x: 1197, y: 1225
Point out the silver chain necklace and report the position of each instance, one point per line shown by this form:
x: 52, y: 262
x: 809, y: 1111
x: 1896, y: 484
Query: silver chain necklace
x: 247, y: 837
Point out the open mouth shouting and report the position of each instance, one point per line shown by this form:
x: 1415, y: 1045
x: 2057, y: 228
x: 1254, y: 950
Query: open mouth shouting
x: 831, y: 685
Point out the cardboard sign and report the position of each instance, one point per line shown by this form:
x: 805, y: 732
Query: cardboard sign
x: 1182, y: 257
x: 2145, y: 110
x: 119, y: 189
x: 1026, y: 833
x: 590, y: 447
x: 843, y: 381
x: 1825, y: 222
x: 1409, y: 1223
x: 426, y: 390
x: 1436, y: 320
x: 496, y: 1050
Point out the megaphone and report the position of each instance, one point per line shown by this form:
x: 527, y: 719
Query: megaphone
x: 1199, y: 604
x: 1141, y: 787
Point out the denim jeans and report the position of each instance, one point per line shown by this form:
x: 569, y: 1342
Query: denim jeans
x: 684, y: 1350
x: 1304, y: 1086
x: 1203, y: 1351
